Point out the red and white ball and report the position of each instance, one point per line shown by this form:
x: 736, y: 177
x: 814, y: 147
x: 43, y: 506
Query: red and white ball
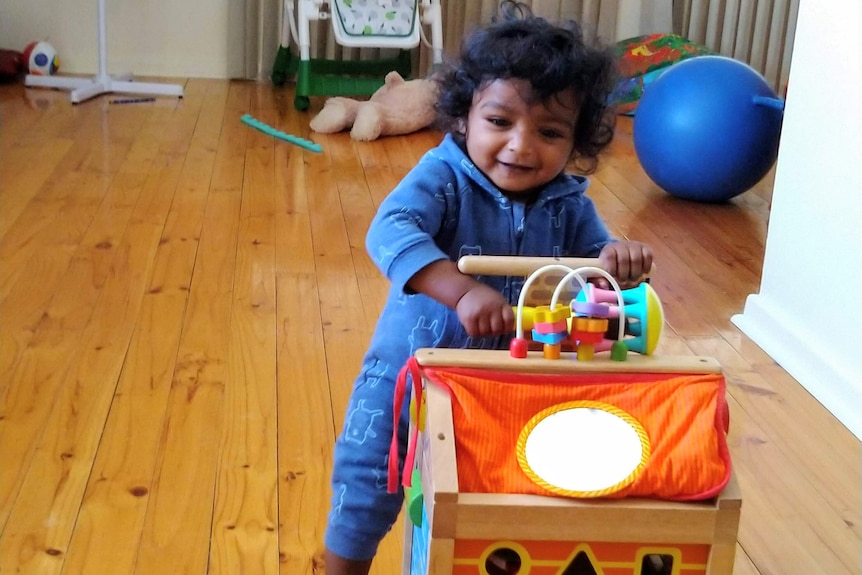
x: 41, y: 59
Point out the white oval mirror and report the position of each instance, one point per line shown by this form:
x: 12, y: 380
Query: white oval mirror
x: 583, y: 449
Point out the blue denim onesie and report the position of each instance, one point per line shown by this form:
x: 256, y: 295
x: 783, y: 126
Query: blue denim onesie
x: 444, y: 208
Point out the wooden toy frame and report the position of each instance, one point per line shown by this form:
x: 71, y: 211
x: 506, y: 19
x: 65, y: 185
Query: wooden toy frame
x: 453, y: 516
x: 699, y: 536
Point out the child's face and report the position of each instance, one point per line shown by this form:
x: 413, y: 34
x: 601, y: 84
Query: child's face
x: 520, y: 145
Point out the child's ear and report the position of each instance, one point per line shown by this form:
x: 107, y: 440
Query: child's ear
x: 461, y: 126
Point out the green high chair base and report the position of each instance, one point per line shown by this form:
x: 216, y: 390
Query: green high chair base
x: 320, y: 77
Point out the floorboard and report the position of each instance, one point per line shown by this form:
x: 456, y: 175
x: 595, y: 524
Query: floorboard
x: 185, y: 302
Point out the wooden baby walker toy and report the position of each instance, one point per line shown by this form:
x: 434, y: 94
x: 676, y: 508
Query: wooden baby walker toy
x: 556, y: 458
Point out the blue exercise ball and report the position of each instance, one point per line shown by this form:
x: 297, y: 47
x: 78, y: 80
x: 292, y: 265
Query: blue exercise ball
x: 707, y: 129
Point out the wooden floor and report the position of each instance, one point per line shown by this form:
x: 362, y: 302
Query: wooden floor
x: 185, y: 302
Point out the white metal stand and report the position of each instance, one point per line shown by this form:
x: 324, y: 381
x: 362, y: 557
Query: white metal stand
x: 86, y: 88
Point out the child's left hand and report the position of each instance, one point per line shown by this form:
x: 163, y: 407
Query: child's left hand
x: 627, y: 261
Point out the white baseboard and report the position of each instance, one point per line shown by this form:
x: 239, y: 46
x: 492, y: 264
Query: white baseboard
x: 806, y: 356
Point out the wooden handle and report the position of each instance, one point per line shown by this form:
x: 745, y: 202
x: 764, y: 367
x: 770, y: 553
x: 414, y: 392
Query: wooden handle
x: 525, y: 265
x: 517, y: 265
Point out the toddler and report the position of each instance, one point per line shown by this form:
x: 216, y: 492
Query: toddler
x: 524, y: 98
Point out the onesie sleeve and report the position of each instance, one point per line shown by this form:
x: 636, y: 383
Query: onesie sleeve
x: 592, y: 233
x: 400, y: 240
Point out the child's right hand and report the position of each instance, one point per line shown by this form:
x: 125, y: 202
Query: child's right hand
x: 484, y: 311
x: 627, y: 261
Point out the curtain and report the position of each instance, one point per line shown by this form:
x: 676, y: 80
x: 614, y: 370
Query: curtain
x: 607, y: 20
x: 758, y: 33
x: 255, y: 28
x: 253, y: 37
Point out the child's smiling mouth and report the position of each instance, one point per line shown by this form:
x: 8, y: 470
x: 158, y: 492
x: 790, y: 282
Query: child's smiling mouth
x: 514, y: 167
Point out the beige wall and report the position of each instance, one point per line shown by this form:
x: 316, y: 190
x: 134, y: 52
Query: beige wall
x: 150, y: 37
x: 207, y: 38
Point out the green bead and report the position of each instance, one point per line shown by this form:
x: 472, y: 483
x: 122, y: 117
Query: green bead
x: 619, y: 351
x: 415, y: 499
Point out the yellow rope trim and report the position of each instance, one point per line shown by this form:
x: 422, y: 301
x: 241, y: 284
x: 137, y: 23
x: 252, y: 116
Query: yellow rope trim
x: 521, y: 449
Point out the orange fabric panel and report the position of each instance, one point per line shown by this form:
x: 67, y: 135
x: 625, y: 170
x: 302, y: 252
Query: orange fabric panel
x: 684, y: 416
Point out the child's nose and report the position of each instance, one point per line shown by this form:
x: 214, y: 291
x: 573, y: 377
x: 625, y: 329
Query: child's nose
x: 519, y: 141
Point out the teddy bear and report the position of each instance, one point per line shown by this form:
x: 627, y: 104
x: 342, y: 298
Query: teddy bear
x: 399, y: 106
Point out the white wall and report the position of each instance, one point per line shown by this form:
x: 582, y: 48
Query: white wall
x: 808, y: 314
x: 146, y: 37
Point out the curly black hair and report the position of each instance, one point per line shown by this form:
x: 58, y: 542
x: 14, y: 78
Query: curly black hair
x: 552, y: 58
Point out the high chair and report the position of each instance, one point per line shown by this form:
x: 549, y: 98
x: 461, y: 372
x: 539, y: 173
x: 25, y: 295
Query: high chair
x: 355, y: 24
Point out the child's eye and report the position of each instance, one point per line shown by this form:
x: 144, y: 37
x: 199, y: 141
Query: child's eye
x: 552, y: 134
x: 500, y: 122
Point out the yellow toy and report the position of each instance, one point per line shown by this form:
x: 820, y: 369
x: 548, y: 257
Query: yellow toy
x: 546, y: 466
x: 398, y: 107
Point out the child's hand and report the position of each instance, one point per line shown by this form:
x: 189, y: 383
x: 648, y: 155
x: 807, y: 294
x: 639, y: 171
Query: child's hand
x: 484, y: 311
x: 627, y: 261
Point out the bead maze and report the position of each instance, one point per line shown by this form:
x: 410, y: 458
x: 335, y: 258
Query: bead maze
x: 267, y: 129
x: 582, y: 325
x: 547, y: 463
